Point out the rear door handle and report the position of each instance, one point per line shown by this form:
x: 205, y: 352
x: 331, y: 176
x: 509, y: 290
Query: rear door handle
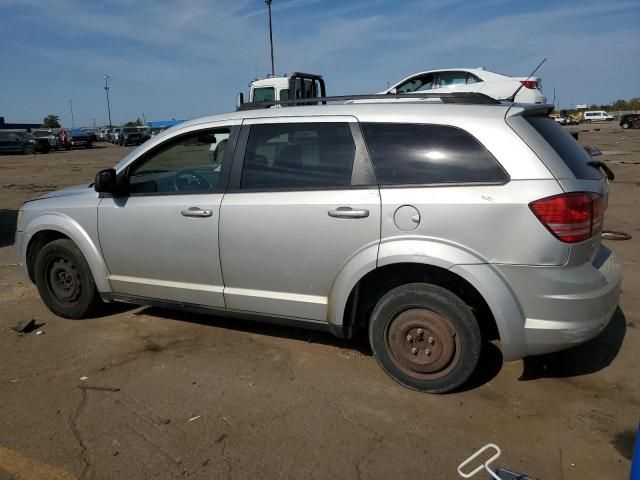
x: 348, y: 212
x: 197, y: 212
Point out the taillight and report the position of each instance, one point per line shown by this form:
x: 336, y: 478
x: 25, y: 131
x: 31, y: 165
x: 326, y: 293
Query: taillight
x: 571, y: 217
x: 529, y: 83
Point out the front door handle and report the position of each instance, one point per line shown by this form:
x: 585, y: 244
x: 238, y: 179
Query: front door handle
x: 197, y: 212
x: 348, y: 212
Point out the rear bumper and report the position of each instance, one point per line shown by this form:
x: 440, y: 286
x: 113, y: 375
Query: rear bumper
x: 564, y: 306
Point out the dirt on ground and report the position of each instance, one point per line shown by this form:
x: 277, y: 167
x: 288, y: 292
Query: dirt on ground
x: 150, y: 393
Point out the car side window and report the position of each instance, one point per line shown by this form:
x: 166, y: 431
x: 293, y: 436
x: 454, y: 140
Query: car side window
x: 190, y: 163
x: 450, y: 79
x: 298, y: 155
x: 471, y: 78
x: 411, y: 154
x: 417, y: 84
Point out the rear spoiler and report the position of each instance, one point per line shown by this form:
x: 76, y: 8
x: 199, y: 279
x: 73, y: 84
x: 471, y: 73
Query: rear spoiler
x: 524, y: 110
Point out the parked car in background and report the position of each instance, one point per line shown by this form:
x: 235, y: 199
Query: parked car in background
x: 596, y: 116
x: 145, y: 132
x: 74, y: 138
x: 129, y: 136
x: 339, y: 218
x: 478, y: 80
x: 17, y: 142
x: 627, y: 120
x: 93, y: 137
x: 115, y: 135
x: 51, y: 137
x: 41, y: 145
x: 561, y: 119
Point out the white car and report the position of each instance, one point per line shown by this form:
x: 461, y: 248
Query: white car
x: 495, y: 85
x: 597, y: 116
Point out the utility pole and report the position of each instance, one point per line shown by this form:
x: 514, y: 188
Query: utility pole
x: 73, y: 123
x: 106, y: 89
x: 273, y: 68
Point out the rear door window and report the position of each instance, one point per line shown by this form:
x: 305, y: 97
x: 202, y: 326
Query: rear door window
x: 298, y: 155
x: 452, y: 79
x: 410, y: 154
x: 567, y: 148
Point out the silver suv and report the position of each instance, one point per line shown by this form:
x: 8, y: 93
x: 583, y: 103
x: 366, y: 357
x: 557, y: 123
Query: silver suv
x: 435, y: 227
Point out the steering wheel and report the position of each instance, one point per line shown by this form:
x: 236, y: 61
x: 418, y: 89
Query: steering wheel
x: 189, y: 180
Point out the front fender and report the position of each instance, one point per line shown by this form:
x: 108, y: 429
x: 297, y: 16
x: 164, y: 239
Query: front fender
x: 66, y: 225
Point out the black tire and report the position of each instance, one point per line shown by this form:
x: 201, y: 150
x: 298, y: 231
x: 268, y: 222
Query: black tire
x: 64, y: 280
x: 28, y: 150
x: 625, y: 125
x: 442, y: 329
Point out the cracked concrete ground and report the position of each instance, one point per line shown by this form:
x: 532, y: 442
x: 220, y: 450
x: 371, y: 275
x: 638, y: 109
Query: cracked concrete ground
x: 191, y: 396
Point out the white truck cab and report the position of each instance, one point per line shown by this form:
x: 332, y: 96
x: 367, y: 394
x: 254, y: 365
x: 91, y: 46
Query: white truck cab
x: 282, y: 88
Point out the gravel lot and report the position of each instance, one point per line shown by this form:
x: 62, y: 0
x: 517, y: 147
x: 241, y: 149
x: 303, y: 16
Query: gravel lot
x: 207, y: 397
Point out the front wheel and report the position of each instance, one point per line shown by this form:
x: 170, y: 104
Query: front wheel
x: 28, y: 150
x: 64, y: 280
x: 626, y: 125
x: 425, y: 337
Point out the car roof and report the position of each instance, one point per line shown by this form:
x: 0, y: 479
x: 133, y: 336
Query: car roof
x: 411, y: 111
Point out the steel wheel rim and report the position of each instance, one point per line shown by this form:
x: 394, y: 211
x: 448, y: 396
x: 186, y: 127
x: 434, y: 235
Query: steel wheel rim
x: 422, y: 343
x: 63, y: 280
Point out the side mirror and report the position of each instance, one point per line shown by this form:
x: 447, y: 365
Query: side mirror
x: 105, y: 181
x: 239, y: 100
x: 393, y: 91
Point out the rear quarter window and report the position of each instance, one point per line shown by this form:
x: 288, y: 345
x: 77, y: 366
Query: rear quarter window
x: 568, y: 149
x: 414, y: 154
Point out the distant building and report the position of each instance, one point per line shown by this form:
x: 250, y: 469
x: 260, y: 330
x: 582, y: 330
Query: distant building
x: 164, y: 123
x: 17, y: 126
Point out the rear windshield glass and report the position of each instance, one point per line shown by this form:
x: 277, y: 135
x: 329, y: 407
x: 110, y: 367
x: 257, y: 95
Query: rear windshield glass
x: 567, y: 148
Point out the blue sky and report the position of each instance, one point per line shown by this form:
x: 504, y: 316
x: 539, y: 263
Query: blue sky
x: 187, y: 58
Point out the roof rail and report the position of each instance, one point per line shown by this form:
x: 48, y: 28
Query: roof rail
x: 452, y: 97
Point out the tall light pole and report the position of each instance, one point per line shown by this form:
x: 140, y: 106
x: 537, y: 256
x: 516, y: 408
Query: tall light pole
x: 73, y: 123
x: 273, y: 68
x: 106, y: 89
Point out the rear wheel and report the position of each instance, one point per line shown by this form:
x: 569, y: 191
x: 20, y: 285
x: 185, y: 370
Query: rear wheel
x: 626, y: 125
x: 425, y: 337
x: 64, y: 280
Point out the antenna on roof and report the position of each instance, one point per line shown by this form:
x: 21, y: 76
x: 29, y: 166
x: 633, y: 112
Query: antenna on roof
x: 512, y: 98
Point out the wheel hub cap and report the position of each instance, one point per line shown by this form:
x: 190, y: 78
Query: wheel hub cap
x: 423, y: 343
x: 63, y: 280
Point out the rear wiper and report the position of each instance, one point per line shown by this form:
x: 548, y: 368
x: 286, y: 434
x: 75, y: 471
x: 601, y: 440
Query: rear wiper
x: 600, y: 164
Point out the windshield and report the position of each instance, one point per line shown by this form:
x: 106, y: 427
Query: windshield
x: 129, y: 130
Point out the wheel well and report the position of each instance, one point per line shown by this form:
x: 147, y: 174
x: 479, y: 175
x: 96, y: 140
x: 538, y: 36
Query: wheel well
x: 370, y: 288
x: 38, y: 241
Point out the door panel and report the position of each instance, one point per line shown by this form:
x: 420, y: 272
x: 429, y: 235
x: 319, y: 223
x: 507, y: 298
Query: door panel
x: 161, y: 239
x: 153, y: 250
x: 302, y: 201
x: 281, y: 251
